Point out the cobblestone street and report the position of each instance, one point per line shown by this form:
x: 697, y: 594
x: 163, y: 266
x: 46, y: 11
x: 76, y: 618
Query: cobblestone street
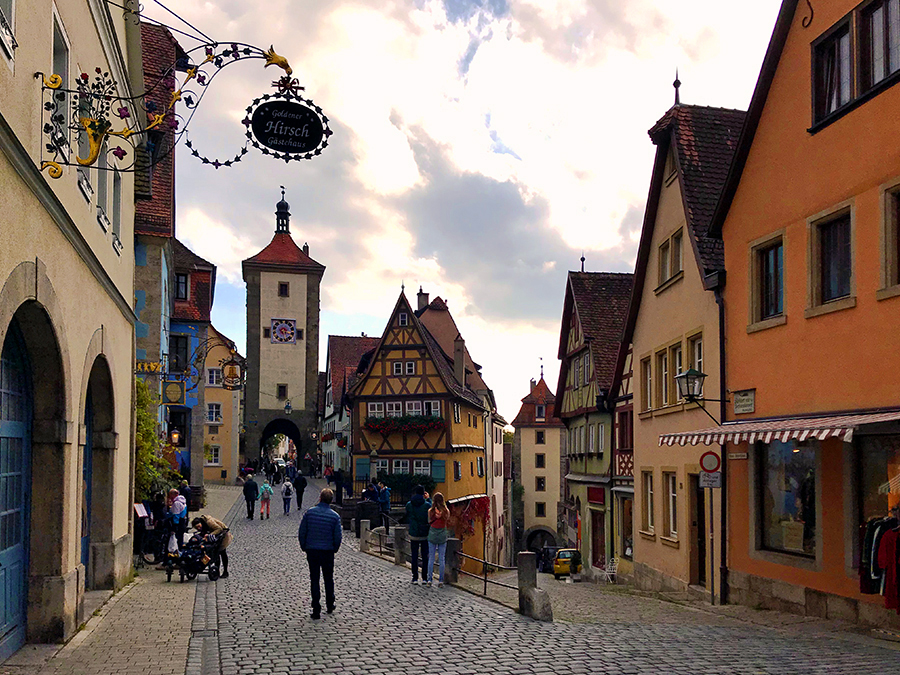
x: 383, y: 624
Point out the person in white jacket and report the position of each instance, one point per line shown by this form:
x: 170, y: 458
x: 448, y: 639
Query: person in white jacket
x: 287, y: 494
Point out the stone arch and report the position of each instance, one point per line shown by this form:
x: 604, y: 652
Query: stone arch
x: 284, y: 426
x: 539, y: 536
x: 104, y: 441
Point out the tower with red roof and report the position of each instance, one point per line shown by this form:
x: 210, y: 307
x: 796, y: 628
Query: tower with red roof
x: 282, y: 341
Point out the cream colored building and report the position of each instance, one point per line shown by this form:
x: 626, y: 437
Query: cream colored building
x: 673, y: 325
x: 537, y: 448
x: 222, y: 423
x: 66, y: 330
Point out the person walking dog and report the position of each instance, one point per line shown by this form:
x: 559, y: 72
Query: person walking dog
x: 320, y: 537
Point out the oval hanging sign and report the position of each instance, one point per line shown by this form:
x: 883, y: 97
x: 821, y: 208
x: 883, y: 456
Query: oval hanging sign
x: 287, y: 126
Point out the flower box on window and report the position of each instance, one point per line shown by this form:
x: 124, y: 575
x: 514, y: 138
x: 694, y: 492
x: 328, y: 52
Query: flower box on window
x: 417, y: 424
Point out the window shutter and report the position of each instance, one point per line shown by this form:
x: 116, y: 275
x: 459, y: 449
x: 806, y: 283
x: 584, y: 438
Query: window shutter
x: 362, y: 468
x: 438, y: 470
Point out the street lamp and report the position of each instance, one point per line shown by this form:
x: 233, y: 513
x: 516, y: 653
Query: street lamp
x: 287, y: 407
x: 690, y: 384
x: 175, y: 436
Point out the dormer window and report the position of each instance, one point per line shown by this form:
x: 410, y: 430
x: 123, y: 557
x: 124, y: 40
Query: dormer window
x: 403, y: 319
x: 541, y: 412
x: 181, y: 286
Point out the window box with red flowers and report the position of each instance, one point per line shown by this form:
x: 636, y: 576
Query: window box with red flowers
x: 342, y: 443
x: 416, y: 424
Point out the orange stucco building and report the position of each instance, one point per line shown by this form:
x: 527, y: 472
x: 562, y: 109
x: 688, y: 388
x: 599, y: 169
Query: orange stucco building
x: 809, y: 218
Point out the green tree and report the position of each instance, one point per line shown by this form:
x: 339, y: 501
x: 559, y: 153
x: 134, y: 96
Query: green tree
x: 152, y: 472
x: 508, y: 436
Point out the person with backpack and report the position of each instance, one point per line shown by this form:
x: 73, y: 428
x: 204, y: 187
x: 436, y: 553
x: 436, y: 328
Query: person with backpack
x: 287, y: 494
x: 265, y: 497
x: 417, y: 522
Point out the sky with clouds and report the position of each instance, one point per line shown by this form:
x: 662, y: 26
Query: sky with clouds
x: 479, y: 147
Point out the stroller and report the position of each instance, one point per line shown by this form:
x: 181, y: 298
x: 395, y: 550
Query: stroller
x: 197, y: 556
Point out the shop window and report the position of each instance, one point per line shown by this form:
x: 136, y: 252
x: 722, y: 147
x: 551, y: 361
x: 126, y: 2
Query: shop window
x: 540, y: 510
x: 540, y: 460
x: 833, y: 72
x: 539, y: 437
x: 540, y: 484
x: 647, y: 511
x: 787, y: 502
x: 879, y: 472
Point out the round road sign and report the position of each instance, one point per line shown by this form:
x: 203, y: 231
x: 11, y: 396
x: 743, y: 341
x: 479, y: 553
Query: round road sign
x: 710, y: 462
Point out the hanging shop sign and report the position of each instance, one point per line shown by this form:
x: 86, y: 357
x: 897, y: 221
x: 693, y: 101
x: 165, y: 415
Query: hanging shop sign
x: 173, y: 392
x: 285, y: 125
x: 232, y: 373
x: 148, y: 367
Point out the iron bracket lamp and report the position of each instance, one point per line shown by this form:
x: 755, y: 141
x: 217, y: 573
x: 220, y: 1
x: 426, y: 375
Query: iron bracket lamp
x: 690, y: 388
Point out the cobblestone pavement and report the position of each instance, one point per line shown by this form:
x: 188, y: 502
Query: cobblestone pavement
x: 144, y: 628
x: 384, y: 624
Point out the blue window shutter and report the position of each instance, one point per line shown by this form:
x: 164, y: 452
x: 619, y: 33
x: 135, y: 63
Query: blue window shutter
x: 362, y: 468
x: 438, y: 470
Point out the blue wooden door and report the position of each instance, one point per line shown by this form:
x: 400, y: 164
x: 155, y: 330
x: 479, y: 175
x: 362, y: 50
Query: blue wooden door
x: 15, y: 478
x: 86, y: 473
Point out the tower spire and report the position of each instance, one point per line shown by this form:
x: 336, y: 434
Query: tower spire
x: 582, y: 261
x: 542, y: 367
x: 677, y: 85
x: 282, y: 215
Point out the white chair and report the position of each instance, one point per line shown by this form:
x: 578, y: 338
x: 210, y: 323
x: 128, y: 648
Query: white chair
x: 612, y: 566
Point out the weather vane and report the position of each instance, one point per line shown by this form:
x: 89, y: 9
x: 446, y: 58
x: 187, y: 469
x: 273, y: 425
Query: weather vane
x: 90, y: 118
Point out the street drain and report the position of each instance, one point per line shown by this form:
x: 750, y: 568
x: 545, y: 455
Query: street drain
x: 204, y: 633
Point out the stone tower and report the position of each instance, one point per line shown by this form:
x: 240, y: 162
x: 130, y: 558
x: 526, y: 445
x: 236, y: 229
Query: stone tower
x: 282, y: 340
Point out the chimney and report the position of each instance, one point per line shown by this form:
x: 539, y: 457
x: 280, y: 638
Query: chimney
x: 533, y: 385
x: 306, y: 249
x: 423, y: 299
x: 459, y: 360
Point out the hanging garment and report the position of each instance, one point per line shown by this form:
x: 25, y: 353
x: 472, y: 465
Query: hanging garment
x: 887, y: 561
x: 876, y: 570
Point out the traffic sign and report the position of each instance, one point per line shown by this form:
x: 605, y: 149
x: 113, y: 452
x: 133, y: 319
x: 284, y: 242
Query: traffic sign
x: 711, y: 479
x: 710, y: 462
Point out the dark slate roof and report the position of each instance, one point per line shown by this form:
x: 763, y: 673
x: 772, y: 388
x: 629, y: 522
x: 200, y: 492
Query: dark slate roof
x: 540, y: 395
x: 444, y: 364
x: 601, y: 301
x: 705, y: 140
x: 187, y: 260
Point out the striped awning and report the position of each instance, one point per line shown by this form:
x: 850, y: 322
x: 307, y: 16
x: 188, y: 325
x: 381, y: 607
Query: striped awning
x: 464, y: 499
x: 785, y: 429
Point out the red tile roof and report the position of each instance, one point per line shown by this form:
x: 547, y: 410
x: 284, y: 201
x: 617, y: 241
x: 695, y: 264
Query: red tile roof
x: 540, y: 395
x: 345, y: 352
x: 705, y: 140
x: 282, y: 251
x: 202, y: 273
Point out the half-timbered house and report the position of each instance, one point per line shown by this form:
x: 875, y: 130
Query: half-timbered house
x: 622, y: 404
x: 412, y: 413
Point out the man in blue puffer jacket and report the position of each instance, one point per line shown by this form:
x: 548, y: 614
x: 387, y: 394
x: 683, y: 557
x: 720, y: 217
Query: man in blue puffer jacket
x: 320, y: 538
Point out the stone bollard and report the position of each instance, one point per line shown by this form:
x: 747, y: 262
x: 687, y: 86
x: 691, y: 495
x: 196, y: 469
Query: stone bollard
x: 533, y: 601
x: 364, y: 526
x: 454, y: 546
x: 401, y: 545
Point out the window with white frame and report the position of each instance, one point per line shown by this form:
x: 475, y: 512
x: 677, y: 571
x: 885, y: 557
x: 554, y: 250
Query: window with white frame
x: 381, y: 466
x: 398, y: 367
x: 213, y: 412
x: 601, y: 436
x: 433, y: 408
x: 670, y: 482
x: 540, y: 412
x: 422, y: 467
x: 410, y: 367
x: 414, y: 407
x: 576, y: 367
x: 591, y: 431
x: 401, y: 466
x: 456, y: 412
x: 376, y: 409
x: 117, y: 209
x: 647, y: 513
x: 214, y: 377
x: 403, y: 319
x: 394, y: 408
x: 7, y: 36
x: 582, y: 438
x: 214, y: 456
x: 480, y: 461
x: 677, y: 366
x: 539, y: 437
x: 662, y: 368
x: 646, y: 385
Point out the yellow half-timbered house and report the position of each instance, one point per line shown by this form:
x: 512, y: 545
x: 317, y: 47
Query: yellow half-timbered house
x: 414, y: 414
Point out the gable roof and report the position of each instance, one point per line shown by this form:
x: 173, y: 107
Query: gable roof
x: 345, y: 352
x: 703, y: 140
x: 754, y: 112
x: 283, y: 252
x: 539, y: 395
x: 440, y: 324
x: 600, y: 303
x: 443, y: 363
x: 198, y: 306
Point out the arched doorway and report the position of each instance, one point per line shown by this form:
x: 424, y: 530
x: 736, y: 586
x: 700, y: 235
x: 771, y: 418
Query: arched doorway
x: 538, y: 538
x: 287, y: 428
x: 16, y: 401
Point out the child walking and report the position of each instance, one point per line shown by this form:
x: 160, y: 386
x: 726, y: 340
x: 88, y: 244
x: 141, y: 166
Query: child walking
x: 265, y: 497
x: 438, y: 517
x: 287, y: 495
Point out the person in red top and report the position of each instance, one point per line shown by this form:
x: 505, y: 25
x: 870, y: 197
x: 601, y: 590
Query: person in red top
x: 438, y: 518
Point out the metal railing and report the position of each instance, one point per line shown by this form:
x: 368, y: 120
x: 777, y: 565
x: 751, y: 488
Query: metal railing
x: 485, y: 567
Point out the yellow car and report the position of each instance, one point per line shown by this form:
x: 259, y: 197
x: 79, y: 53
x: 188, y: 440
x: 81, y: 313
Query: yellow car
x: 562, y: 563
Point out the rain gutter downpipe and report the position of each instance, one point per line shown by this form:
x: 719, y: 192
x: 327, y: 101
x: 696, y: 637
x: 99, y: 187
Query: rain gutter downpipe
x: 723, y: 406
